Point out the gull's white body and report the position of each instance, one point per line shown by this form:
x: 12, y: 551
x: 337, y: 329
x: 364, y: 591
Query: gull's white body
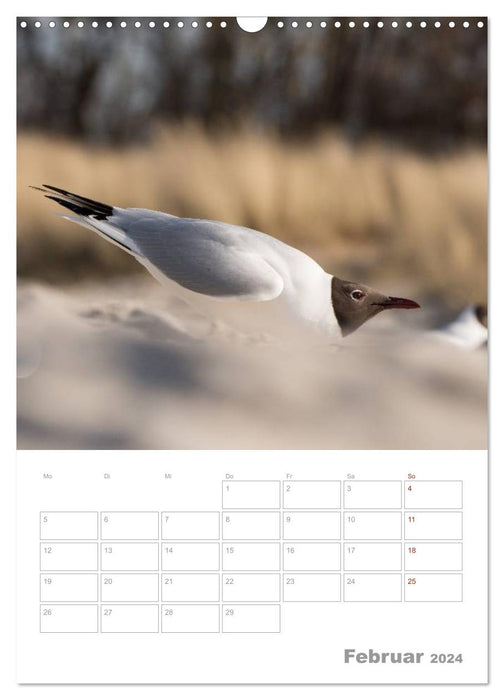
x: 465, y: 331
x: 214, y: 265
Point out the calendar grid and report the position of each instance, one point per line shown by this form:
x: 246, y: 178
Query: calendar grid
x: 270, y: 545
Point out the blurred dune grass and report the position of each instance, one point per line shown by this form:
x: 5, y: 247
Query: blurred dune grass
x: 372, y: 210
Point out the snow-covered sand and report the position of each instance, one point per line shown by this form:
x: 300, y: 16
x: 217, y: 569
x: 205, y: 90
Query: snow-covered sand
x: 126, y: 366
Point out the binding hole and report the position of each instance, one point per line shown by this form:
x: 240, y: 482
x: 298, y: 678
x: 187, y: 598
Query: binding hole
x: 251, y: 24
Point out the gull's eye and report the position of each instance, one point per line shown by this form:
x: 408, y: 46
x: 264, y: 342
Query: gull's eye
x: 357, y: 294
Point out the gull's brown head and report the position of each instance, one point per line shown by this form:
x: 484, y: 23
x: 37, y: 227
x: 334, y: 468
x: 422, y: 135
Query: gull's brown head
x: 355, y: 303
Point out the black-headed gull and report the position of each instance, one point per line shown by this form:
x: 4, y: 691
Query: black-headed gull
x: 469, y: 330
x: 213, y: 261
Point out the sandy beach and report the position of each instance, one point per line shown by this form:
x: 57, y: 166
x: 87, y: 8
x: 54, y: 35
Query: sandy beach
x: 124, y: 365
x: 365, y: 150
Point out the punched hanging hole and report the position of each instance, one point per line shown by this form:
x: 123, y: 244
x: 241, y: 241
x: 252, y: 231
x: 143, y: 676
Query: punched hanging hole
x: 251, y: 24
x: 37, y: 25
x: 223, y: 24
x: 423, y: 25
x: 94, y: 24
x: 437, y: 24
x: 395, y: 25
x: 365, y: 25
x: 108, y: 25
x: 66, y: 24
x: 166, y: 25
x: 124, y: 24
x: 280, y: 24
x: 209, y: 24
x: 466, y: 24
x: 80, y: 24
x: 351, y: 25
x: 152, y: 25
x: 194, y: 25
x: 23, y: 25
x: 337, y: 25
x: 451, y: 24
x: 323, y: 25
x: 409, y: 24
x: 481, y: 25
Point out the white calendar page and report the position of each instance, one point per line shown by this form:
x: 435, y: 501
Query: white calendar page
x: 252, y: 567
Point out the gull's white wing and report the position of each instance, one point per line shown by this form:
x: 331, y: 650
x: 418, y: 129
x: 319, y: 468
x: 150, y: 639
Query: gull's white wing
x: 208, y: 257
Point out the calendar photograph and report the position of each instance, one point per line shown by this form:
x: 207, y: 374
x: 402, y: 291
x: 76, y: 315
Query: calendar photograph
x: 254, y: 236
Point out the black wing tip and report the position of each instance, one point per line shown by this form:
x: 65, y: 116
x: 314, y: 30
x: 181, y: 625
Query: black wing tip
x: 68, y: 205
x: 79, y: 204
x: 44, y: 188
x: 85, y: 211
x: 60, y: 190
x: 47, y: 194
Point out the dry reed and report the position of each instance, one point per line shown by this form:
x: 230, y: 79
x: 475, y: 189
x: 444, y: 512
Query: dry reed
x: 372, y: 210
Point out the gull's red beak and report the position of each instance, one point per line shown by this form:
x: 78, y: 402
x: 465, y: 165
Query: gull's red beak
x: 399, y: 303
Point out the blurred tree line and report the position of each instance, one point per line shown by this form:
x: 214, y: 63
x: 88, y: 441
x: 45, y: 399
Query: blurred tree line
x: 423, y: 87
